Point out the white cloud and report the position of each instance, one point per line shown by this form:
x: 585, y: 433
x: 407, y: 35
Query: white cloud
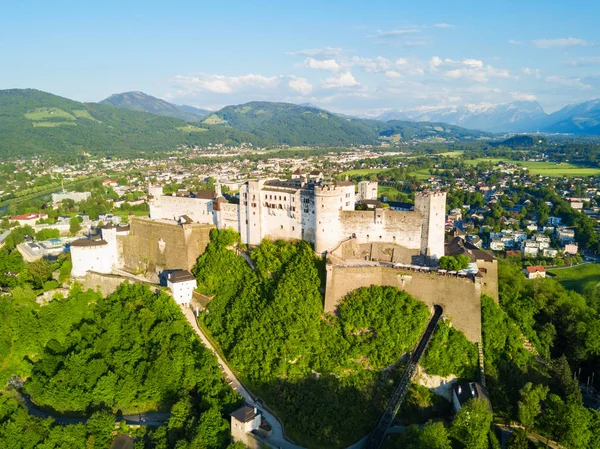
x: 442, y: 25
x: 377, y: 64
x: 320, y: 53
x: 523, y: 96
x: 514, y: 42
x: 568, y: 82
x: 300, y: 85
x: 321, y: 64
x: 475, y: 63
x: 224, y: 84
x: 395, y: 33
x: 393, y: 74
x: 582, y: 62
x: 473, y: 69
x: 561, y: 43
x: 345, y: 79
x: 435, y: 62
x: 532, y: 72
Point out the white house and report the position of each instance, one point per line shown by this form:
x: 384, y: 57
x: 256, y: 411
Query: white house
x: 182, y: 284
x: 535, y: 272
x: 244, y: 421
x: 28, y: 219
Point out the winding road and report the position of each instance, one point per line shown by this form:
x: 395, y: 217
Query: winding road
x: 277, y: 437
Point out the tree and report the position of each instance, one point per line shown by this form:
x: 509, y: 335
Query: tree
x: 75, y: 225
x: 432, y: 436
x: 212, y: 432
x: 471, y: 424
x: 518, y: 440
x: 453, y: 263
x: 101, y: 425
x: 530, y: 403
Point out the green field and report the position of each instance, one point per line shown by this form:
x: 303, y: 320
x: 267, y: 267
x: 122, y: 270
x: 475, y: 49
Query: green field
x: 419, y: 174
x: 52, y: 124
x: 83, y: 113
x: 214, y: 119
x: 191, y: 129
x: 544, y: 168
x: 576, y: 278
x: 48, y: 113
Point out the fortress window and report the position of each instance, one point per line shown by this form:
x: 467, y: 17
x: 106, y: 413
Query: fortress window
x: 367, y: 236
x: 380, y: 237
x: 306, y: 210
x: 281, y: 226
x: 394, y: 238
x: 322, y: 206
x: 246, y: 221
x: 293, y: 228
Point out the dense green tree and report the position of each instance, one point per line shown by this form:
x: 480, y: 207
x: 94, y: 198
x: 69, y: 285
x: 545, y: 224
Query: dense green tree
x: 530, y: 405
x: 471, y: 424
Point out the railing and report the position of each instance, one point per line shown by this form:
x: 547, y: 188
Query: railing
x: 377, y: 435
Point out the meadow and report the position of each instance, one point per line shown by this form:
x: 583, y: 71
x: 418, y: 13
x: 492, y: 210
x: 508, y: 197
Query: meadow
x: 576, y: 278
x: 544, y: 168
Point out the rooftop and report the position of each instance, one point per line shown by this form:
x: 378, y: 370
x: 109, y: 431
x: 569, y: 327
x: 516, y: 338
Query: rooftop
x: 181, y: 276
x: 244, y: 414
x: 88, y: 242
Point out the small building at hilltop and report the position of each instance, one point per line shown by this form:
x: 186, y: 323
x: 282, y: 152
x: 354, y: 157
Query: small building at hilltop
x: 28, y: 219
x: 463, y: 392
x: 182, y: 283
x: 244, y: 421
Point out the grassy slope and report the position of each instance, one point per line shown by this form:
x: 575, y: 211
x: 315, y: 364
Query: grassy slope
x: 544, y: 168
x: 576, y: 278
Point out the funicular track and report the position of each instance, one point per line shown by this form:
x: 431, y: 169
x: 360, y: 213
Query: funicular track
x: 377, y: 435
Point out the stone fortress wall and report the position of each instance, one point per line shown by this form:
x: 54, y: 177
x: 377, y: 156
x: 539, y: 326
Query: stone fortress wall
x: 460, y: 297
x: 153, y: 246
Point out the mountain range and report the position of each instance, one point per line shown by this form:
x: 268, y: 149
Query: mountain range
x: 516, y: 116
x: 38, y: 123
x: 139, y: 101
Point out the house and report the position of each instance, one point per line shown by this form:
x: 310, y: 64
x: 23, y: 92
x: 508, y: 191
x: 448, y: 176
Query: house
x: 244, y: 422
x: 571, y: 248
x: 182, y: 284
x: 463, y: 392
x: 110, y: 183
x: 28, y: 219
x: 550, y: 252
x: 554, y: 221
x: 535, y: 272
x: 497, y: 245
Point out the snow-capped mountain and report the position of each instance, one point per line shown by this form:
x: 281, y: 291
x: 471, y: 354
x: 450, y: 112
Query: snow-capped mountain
x: 517, y: 116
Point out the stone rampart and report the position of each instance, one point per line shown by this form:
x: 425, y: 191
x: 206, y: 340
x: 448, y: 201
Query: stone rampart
x: 153, y: 246
x: 460, y: 297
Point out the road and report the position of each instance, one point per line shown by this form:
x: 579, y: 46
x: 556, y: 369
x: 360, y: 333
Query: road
x: 277, y: 437
x: 378, y: 434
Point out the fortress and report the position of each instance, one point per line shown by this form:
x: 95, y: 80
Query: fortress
x: 363, y: 247
x: 321, y: 213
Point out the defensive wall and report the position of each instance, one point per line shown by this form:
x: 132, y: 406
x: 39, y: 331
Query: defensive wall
x: 459, y: 296
x: 153, y: 246
x: 380, y: 251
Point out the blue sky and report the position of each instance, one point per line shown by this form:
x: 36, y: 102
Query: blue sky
x: 356, y: 57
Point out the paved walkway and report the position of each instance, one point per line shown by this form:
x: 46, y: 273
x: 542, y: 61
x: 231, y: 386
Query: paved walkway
x: 277, y: 438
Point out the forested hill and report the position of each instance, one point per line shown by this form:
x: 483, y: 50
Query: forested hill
x: 306, y: 125
x: 139, y: 101
x: 34, y: 122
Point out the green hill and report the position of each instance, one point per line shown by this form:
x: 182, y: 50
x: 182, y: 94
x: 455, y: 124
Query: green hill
x: 34, y: 122
x: 306, y: 125
x: 139, y: 101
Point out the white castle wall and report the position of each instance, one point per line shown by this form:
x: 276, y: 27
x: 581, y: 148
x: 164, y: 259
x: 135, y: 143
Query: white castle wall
x: 172, y: 207
x: 383, y: 225
x: 91, y: 258
x: 367, y: 190
x: 323, y: 215
x: 432, y: 206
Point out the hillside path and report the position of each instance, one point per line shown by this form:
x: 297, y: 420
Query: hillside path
x: 277, y: 438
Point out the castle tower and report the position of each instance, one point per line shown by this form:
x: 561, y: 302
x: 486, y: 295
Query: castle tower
x: 367, y: 190
x: 328, y: 203
x: 432, y: 206
x: 250, y: 212
x: 109, y: 235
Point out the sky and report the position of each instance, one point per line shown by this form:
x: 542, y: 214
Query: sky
x: 355, y: 57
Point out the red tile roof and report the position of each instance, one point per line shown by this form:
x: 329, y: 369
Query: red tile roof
x: 536, y: 269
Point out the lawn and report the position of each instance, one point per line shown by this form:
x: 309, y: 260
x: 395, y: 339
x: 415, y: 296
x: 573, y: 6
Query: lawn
x: 545, y: 168
x: 48, y: 113
x: 576, y: 278
x: 191, y: 129
x: 214, y: 119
